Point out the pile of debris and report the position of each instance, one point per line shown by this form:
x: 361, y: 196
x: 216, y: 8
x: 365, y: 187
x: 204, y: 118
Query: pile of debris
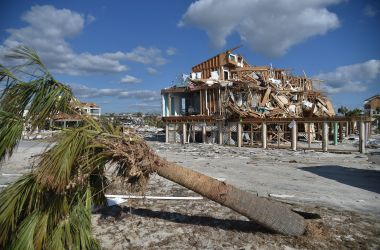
x: 235, y: 88
x: 267, y: 92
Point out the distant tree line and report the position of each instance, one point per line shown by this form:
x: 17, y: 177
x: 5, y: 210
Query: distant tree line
x: 349, y: 112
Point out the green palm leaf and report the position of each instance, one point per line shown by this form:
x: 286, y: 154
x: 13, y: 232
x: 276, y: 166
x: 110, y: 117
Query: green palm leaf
x: 11, y: 127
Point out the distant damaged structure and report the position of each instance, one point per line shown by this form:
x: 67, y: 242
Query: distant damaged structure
x: 226, y: 100
x: 227, y: 86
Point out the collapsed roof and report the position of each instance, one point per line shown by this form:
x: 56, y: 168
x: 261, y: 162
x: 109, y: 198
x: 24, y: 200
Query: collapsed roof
x: 227, y: 85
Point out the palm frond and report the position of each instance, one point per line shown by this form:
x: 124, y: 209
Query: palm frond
x: 32, y: 217
x: 18, y: 96
x: 5, y: 74
x: 42, y: 98
x: 25, y: 234
x: 11, y: 127
x: 7, y: 78
x: 49, y: 99
x: 16, y: 202
x: 29, y: 57
x: 74, y: 231
x: 60, y: 164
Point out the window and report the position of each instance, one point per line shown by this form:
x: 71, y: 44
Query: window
x: 225, y: 75
x: 232, y: 57
x: 95, y: 111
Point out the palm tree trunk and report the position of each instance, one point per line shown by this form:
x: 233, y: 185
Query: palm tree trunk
x: 268, y: 213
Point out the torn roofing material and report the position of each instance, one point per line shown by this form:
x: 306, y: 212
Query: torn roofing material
x: 227, y: 85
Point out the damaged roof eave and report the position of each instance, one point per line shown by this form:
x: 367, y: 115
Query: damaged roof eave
x: 187, y: 89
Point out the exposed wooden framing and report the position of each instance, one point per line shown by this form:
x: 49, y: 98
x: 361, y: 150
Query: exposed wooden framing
x: 307, y: 119
x: 219, y: 102
x: 214, y: 101
x: 207, y: 106
x: 265, y: 97
x: 173, y: 119
x: 209, y: 98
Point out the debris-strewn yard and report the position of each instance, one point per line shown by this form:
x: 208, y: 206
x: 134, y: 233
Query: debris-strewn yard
x: 207, y: 225
x: 339, y: 194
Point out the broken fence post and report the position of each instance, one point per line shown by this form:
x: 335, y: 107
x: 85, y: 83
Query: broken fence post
x: 294, y: 136
x: 166, y: 133
x: 367, y: 131
x: 220, y: 133
x: 325, y: 136
x: 362, y: 137
x: 239, y: 135
x: 204, y: 133
x: 335, y: 133
x: 309, y: 135
x: 264, y: 134
x: 184, y: 133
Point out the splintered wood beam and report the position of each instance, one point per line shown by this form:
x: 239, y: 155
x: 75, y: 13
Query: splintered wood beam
x: 265, y: 97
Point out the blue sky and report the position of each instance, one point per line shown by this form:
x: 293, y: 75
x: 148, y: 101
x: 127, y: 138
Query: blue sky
x: 121, y: 53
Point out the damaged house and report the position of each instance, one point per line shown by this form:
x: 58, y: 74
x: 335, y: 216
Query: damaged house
x: 225, y: 100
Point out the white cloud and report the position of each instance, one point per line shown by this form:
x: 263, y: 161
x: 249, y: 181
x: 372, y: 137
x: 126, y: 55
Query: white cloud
x: 90, y: 18
x: 370, y: 10
x: 146, y: 56
x: 267, y: 26
x: 82, y: 91
x: 151, y: 70
x: 351, y: 78
x: 47, y: 30
x: 171, y: 51
x: 140, y: 54
x: 130, y: 79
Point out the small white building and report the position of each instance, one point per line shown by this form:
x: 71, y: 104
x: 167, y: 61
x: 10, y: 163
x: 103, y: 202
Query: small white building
x: 91, y: 108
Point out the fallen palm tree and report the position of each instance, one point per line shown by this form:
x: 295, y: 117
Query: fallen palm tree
x: 50, y: 208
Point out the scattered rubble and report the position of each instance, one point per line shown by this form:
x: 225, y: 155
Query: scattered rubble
x: 341, y: 221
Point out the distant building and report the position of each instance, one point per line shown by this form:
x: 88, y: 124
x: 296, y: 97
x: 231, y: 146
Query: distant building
x: 91, y: 108
x: 73, y: 120
x: 372, y: 105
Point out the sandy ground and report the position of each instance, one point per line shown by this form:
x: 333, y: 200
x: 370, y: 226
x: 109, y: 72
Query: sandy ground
x: 339, y: 194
